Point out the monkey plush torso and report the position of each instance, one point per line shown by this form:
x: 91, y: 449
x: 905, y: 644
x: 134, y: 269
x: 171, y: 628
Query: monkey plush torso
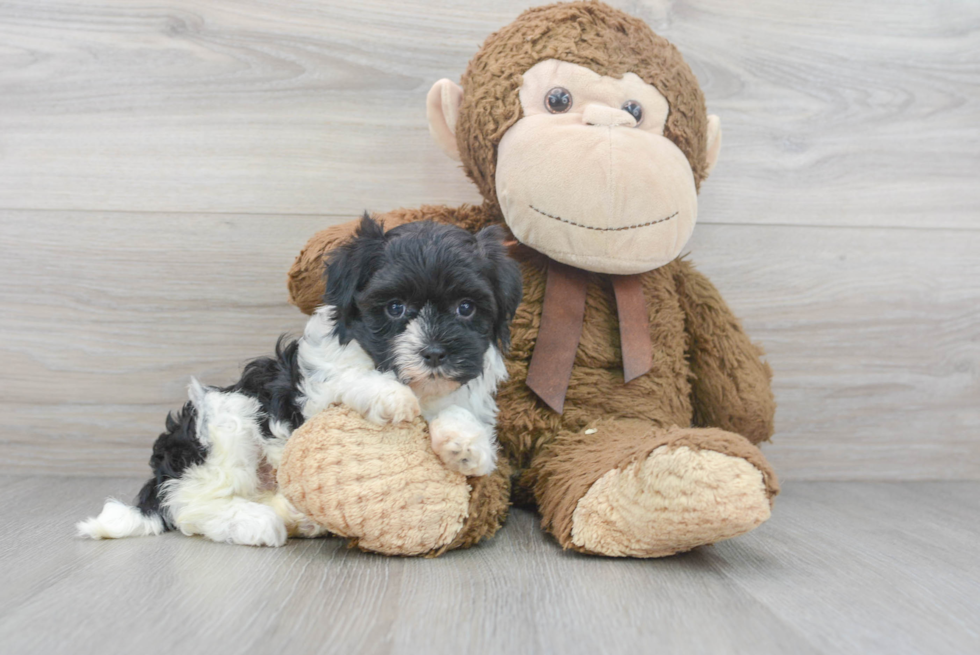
x: 666, y: 461
x: 596, y: 387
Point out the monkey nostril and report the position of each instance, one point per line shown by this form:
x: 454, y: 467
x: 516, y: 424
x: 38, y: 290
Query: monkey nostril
x: 434, y: 356
x: 605, y: 116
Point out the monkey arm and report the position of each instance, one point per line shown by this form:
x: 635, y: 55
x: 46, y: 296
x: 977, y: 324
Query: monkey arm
x: 730, y: 389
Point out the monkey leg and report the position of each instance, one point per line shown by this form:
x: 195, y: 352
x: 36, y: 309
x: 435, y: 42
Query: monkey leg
x: 625, y: 488
x: 384, y: 488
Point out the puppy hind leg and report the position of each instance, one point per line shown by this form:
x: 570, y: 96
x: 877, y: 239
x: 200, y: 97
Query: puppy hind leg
x: 217, y: 498
x: 203, y: 505
x: 234, y: 520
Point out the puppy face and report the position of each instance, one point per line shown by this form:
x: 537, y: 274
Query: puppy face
x: 424, y: 300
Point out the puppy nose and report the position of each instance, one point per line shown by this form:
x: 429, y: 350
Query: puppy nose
x: 606, y: 116
x: 434, y: 355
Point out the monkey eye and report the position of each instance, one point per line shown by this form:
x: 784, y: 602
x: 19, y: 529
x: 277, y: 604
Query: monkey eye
x: 465, y: 308
x: 558, y: 100
x: 634, y: 109
x: 395, y: 309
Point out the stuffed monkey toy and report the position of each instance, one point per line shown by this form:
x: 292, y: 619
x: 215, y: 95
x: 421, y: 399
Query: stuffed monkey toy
x: 635, y: 401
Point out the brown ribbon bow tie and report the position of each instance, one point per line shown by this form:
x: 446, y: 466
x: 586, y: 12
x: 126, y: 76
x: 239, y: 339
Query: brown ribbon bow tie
x: 561, y: 328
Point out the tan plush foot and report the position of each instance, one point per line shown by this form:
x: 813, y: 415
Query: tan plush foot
x: 381, y: 485
x: 672, y: 501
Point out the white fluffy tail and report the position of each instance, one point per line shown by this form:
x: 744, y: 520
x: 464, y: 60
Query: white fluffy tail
x: 119, y: 520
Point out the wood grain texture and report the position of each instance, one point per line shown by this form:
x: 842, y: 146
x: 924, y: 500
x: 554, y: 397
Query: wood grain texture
x: 873, y: 334
x: 874, y: 339
x: 834, y: 112
x: 188, y: 149
x: 841, y: 568
x: 104, y: 319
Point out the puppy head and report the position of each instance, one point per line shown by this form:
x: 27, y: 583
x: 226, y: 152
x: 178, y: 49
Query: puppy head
x: 424, y: 300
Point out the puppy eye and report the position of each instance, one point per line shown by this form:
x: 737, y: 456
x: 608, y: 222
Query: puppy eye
x: 465, y: 308
x: 558, y: 100
x: 395, y: 309
x: 634, y: 109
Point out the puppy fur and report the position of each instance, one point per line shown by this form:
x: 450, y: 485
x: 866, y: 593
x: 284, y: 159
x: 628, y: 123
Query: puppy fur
x: 414, y: 322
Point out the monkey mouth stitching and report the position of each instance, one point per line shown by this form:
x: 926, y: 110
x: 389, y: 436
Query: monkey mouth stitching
x: 603, y: 229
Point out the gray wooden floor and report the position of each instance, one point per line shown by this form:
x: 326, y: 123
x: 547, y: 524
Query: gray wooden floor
x: 870, y: 567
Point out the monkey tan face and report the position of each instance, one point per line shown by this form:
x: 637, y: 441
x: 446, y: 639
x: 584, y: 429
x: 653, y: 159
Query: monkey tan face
x: 586, y: 176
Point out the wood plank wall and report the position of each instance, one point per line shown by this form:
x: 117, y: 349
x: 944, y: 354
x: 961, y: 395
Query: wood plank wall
x: 161, y: 163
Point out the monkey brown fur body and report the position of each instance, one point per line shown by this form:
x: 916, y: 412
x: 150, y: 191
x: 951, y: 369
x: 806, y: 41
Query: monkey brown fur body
x: 701, y: 408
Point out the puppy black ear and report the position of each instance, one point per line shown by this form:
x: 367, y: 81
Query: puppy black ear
x: 349, y: 268
x: 506, y: 279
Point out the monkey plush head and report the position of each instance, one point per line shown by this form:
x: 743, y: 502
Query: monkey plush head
x: 586, y: 132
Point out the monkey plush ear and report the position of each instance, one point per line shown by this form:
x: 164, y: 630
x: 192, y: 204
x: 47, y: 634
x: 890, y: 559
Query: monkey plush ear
x: 442, y: 110
x: 714, y: 141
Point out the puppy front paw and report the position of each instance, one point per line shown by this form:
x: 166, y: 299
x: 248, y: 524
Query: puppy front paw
x: 393, y: 403
x: 463, y: 445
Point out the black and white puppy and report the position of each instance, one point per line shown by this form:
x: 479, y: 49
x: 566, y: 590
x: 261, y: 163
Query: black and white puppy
x: 415, y: 322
